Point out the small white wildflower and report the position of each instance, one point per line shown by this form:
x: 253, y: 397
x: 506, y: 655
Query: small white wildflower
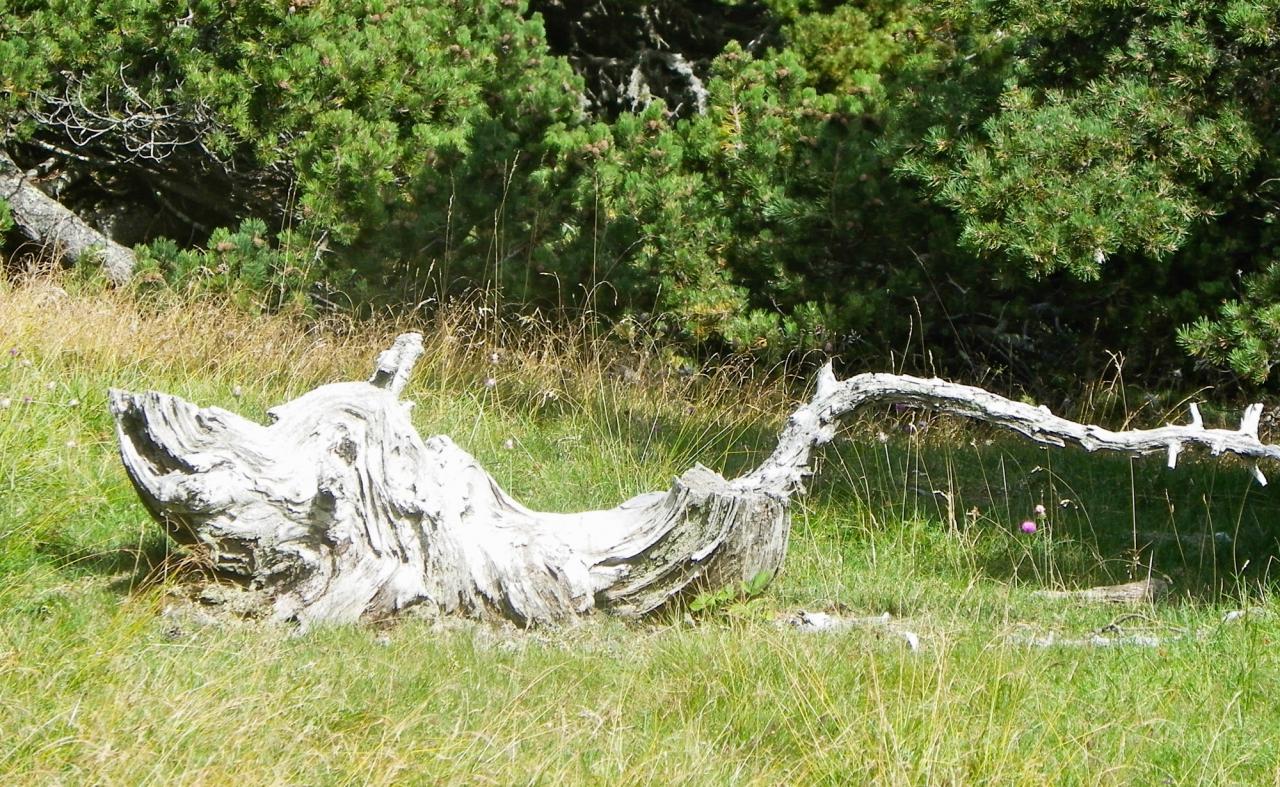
x: 237, y: 392
x: 494, y: 358
x: 509, y: 444
x: 73, y: 403
x: 882, y: 437
x: 6, y: 403
x: 489, y: 382
x: 25, y: 363
x: 72, y: 444
x: 50, y: 386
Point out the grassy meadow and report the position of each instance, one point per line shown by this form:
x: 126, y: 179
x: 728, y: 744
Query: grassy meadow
x: 909, y: 514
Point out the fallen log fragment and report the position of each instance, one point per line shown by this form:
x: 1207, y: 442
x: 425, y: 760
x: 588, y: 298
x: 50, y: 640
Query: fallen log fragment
x: 1095, y: 641
x: 804, y: 620
x: 44, y: 219
x: 1142, y: 591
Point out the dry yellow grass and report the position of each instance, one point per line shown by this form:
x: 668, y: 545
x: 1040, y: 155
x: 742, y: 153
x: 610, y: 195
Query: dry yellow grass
x: 166, y: 337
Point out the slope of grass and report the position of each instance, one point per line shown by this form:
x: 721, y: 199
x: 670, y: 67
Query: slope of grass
x: 99, y: 685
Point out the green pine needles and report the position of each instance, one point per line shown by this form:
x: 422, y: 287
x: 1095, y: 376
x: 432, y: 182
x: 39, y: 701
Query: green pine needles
x: 860, y: 175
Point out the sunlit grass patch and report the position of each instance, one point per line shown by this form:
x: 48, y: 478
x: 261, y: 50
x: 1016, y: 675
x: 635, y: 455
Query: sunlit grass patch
x: 98, y: 684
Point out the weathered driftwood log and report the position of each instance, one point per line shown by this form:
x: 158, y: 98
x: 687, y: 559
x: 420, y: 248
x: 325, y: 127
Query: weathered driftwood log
x: 46, y: 220
x: 1141, y: 591
x: 338, y: 509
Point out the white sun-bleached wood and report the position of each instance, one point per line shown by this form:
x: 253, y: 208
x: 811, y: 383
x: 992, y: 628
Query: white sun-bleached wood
x: 48, y: 221
x: 340, y: 510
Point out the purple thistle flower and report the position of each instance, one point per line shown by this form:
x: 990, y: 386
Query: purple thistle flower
x: 1028, y: 527
x: 14, y: 352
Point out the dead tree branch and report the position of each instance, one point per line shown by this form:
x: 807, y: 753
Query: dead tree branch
x: 46, y: 220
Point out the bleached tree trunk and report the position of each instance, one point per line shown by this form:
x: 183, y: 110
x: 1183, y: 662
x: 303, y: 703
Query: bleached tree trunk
x: 339, y: 510
x: 48, y: 221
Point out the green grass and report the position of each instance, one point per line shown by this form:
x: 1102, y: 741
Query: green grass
x: 99, y: 685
